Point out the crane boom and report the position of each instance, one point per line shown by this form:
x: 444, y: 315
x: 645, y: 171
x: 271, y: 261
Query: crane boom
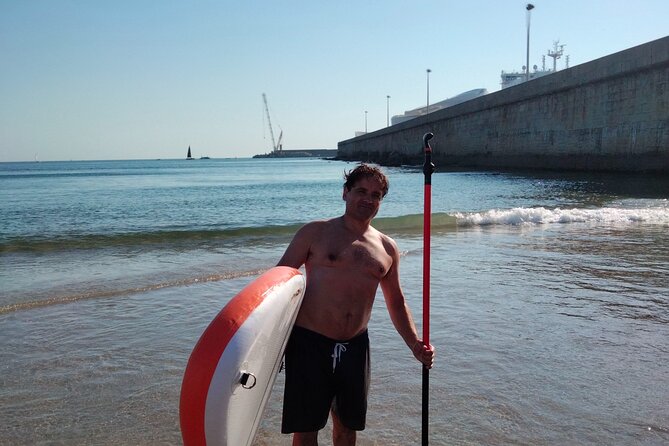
x: 269, y: 121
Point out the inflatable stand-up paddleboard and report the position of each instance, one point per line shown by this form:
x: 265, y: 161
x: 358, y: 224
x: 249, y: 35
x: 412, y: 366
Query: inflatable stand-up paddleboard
x: 233, y: 366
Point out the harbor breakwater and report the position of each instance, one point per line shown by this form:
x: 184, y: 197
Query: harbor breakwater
x: 610, y: 114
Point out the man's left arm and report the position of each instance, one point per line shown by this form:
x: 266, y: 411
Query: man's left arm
x: 400, y: 313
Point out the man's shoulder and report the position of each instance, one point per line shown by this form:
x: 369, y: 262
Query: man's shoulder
x: 385, y: 238
x: 319, y: 224
x: 314, y: 228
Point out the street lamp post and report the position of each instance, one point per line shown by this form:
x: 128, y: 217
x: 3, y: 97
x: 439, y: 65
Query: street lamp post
x: 529, y: 8
x: 427, y: 108
x: 365, y: 121
x: 387, y: 111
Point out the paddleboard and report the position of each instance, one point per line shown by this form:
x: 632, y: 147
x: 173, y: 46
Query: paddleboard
x: 233, y: 366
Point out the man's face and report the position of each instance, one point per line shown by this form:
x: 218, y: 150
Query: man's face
x: 364, y: 199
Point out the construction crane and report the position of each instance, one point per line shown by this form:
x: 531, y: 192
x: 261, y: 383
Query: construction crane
x: 276, y: 145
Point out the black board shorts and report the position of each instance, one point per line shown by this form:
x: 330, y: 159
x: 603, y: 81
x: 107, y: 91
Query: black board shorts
x: 324, y: 374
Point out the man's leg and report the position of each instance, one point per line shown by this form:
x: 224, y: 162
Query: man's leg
x: 305, y: 439
x: 341, y: 435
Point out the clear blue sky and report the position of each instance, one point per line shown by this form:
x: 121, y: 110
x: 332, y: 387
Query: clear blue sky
x: 126, y: 79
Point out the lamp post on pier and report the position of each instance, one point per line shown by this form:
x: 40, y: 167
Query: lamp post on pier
x: 427, y: 108
x: 529, y: 8
x: 387, y: 110
x: 365, y: 121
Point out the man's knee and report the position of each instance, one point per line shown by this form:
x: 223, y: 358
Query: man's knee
x: 344, y: 437
x: 341, y: 435
x: 305, y: 439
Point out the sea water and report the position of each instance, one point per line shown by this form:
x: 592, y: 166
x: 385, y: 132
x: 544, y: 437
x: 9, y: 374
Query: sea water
x: 549, y: 298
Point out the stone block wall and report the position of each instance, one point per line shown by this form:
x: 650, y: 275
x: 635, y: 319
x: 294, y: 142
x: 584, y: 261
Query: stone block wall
x: 611, y: 114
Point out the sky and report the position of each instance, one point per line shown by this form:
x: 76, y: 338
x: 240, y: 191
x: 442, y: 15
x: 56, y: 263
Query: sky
x: 145, y: 79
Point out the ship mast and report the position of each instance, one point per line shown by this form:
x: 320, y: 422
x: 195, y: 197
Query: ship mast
x: 557, y: 52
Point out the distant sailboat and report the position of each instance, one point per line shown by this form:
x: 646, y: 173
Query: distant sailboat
x: 189, y: 157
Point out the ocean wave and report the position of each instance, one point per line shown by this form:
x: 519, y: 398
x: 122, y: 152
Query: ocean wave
x: 414, y: 222
x: 539, y: 216
x: 398, y: 225
x: 198, y: 238
x: 144, y: 239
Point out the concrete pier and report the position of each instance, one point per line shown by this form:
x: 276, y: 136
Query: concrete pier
x: 610, y: 114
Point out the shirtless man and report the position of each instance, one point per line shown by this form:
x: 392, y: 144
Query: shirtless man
x: 327, y: 358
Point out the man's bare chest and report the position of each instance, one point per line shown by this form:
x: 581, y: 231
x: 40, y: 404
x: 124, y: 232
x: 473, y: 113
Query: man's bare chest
x: 365, y: 256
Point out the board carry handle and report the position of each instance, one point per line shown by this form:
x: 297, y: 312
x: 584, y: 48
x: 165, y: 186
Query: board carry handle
x: 246, y: 381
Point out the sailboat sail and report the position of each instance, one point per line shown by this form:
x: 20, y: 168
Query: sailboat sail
x: 189, y: 157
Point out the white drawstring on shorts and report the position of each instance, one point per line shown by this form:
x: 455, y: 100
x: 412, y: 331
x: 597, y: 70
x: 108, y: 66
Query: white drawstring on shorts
x: 339, y: 348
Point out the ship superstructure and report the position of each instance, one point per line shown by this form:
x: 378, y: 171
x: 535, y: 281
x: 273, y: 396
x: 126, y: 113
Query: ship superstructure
x: 518, y: 77
x: 422, y: 111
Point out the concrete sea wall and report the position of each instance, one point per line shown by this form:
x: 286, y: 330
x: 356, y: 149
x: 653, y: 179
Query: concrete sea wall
x: 610, y: 114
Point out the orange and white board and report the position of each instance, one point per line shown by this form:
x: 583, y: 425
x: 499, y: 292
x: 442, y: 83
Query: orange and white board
x: 233, y: 366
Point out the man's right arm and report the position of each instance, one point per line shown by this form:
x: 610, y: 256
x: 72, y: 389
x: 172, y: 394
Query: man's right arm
x: 298, y: 251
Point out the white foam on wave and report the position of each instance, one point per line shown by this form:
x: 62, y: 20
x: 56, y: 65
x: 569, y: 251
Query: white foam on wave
x: 654, y: 215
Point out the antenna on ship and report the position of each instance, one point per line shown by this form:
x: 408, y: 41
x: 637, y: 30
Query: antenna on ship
x: 557, y: 52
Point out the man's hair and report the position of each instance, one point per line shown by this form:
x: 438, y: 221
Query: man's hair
x: 365, y: 171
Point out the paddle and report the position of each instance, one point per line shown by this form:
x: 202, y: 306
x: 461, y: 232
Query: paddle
x: 428, y: 168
